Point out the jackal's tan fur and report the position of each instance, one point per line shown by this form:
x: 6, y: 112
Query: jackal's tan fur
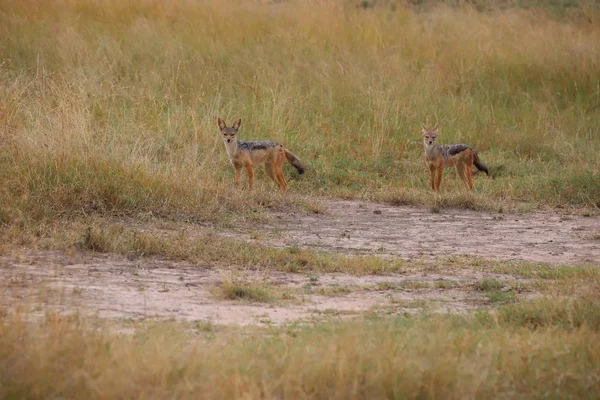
x: 253, y: 154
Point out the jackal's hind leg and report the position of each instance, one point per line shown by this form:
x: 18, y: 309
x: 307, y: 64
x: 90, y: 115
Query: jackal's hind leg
x: 469, y: 176
x: 271, y: 173
x: 279, y: 175
x: 461, y: 171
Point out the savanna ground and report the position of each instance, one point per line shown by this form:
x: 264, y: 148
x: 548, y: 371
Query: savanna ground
x: 132, y: 269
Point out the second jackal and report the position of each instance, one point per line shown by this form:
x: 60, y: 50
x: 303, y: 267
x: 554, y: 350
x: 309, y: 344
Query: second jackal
x: 253, y: 154
x: 438, y: 157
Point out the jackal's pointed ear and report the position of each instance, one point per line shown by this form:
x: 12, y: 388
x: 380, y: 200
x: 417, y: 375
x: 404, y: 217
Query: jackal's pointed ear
x: 435, y: 128
x: 222, y: 124
x: 237, y: 124
x: 424, y: 129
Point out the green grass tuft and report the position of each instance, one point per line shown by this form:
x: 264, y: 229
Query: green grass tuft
x: 236, y: 288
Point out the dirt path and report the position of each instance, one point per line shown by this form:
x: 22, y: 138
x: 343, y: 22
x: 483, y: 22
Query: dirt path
x: 408, y: 232
x: 114, y: 286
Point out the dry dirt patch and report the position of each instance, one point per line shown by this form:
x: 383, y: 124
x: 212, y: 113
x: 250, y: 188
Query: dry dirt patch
x: 409, y: 232
x: 114, y: 286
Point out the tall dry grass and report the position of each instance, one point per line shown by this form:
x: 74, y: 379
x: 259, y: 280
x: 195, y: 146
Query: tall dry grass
x: 110, y: 107
x: 453, y: 357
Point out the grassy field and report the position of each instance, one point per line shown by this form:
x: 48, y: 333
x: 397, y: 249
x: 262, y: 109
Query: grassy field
x: 545, y: 348
x: 110, y: 107
x: 108, y: 115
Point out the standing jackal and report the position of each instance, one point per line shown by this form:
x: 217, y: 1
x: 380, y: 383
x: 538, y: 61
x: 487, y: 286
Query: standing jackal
x: 252, y: 154
x: 438, y: 157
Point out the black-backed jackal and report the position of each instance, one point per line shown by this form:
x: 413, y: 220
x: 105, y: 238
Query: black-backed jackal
x: 254, y: 154
x: 438, y: 157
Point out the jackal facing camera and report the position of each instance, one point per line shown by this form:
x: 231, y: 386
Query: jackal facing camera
x: 438, y: 157
x: 253, y: 154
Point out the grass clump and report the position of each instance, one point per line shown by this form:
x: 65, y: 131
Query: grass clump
x: 489, y: 285
x: 497, y: 292
x: 212, y: 248
x: 445, y: 284
x: 543, y: 271
x: 568, y: 313
x: 501, y: 297
x: 238, y: 288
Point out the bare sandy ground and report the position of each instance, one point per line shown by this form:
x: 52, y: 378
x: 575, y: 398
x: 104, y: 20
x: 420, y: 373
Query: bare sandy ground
x: 114, y: 286
x: 409, y: 232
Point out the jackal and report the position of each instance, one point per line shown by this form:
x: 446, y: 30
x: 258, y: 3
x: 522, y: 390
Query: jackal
x: 438, y: 157
x: 253, y: 154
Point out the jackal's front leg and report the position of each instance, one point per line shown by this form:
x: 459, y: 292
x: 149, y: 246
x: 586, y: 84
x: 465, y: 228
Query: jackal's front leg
x: 238, y: 173
x: 250, y: 170
x: 432, y: 176
x: 440, y: 171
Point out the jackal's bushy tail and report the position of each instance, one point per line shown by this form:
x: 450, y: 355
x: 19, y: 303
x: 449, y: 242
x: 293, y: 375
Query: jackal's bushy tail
x: 480, y: 165
x: 295, y: 161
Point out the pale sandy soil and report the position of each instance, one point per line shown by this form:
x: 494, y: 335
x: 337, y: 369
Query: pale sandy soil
x: 409, y: 232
